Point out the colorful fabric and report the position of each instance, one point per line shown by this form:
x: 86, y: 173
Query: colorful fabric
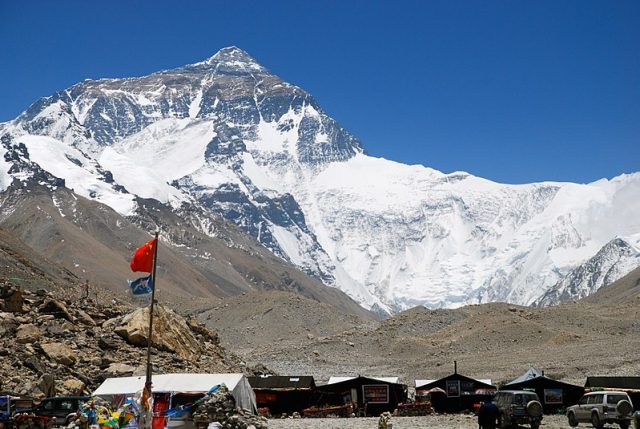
x: 141, y: 286
x: 143, y: 258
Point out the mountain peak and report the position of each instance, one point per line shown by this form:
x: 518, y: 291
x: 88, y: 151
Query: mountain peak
x: 233, y: 59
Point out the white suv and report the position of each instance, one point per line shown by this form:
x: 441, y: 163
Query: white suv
x: 600, y: 408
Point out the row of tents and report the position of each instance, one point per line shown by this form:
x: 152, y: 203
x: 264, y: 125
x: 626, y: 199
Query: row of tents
x: 369, y: 396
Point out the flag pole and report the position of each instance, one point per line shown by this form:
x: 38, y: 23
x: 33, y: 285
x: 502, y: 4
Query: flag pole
x: 147, y: 384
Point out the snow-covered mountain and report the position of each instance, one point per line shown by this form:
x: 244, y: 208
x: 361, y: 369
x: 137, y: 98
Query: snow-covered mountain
x: 233, y: 138
x: 616, y: 259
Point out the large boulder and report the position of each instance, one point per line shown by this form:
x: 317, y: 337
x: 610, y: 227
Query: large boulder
x: 73, y: 387
x: 12, y: 298
x: 47, y: 385
x: 57, y: 309
x: 119, y: 370
x: 170, y: 332
x: 59, y: 352
x: 28, y: 333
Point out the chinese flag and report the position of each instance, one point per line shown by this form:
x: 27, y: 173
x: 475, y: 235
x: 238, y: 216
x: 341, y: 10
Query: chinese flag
x: 143, y: 258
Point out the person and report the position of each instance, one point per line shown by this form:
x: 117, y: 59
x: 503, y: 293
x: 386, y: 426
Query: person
x: 487, y: 415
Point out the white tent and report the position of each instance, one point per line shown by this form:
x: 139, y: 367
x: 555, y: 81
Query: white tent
x: 237, y: 384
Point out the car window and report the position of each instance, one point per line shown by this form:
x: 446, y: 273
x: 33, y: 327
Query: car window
x: 47, y: 405
x: 584, y: 400
x: 595, y: 399
x: 518, y: 399
x: 528, y: 398
x: 614, y: 399
x: 66, y: 405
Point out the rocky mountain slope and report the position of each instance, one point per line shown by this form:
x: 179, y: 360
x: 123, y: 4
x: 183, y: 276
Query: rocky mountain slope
x: 498, y: 341
x: 227, y: 136
x: 616, y: 259
x: 620, y: 291
x: 69, y: 346
x: 95, y: 243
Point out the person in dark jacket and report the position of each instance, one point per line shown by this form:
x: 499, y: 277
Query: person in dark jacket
x: 488, y: 415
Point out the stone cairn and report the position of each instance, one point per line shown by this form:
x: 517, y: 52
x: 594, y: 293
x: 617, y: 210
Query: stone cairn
x: 220, y: 407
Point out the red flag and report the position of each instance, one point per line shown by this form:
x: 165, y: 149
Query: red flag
x: 143, y: 258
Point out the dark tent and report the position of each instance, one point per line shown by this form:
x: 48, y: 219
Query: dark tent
x: 372, y: 396
x: 455, y: 393
x: 554, y: 395
x: 631, y: 385
x: 282, y: 394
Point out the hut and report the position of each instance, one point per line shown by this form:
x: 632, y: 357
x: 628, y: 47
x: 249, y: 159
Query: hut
x: 554, y: 395
x: 280, y: 394
x: 455, y: 392
x: 371, y: 396
x: 631, y: 385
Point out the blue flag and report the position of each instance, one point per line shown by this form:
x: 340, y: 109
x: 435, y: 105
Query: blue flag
x: 141, y: 286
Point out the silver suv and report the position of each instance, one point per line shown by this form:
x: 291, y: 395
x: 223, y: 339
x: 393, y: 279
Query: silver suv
x: 600, y: 408
x: 518, y: 407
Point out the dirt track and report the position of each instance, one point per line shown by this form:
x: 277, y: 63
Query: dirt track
x: 442, y: 421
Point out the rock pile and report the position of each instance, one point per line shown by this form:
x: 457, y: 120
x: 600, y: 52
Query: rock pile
x: 52, y: 345
x: 220, y: 407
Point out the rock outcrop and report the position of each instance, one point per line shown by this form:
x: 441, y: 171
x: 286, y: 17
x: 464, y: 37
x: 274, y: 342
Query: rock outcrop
x: 170, y: 332
x: 50, y: 345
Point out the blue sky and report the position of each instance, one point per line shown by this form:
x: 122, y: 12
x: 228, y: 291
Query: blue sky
x: 514, y: 91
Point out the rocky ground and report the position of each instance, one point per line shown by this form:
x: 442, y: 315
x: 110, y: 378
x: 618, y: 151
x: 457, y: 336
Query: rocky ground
x: 297, y: 336
x: 52, y: 344
x: 437, y: 421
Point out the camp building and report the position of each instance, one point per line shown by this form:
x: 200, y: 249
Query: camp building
x: 283, y: 394
x: 370, y: 395
x: 631, y: 385
x: 554, y: 395
x: 455, y: 392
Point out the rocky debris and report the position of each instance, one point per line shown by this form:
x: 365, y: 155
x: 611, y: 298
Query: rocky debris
x: 119, y: 370
x: 73, y: 386
x: 59, y: 352
x: 28, y: 333
x: 384, y: 422
x: 51, y: 346
x: 47, y: 385
x: 57, y: 309
x: 12, y: 301
x: 220, y: 407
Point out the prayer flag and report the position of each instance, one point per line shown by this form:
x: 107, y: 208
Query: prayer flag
x: 143, y: 258
x: 141, y: 286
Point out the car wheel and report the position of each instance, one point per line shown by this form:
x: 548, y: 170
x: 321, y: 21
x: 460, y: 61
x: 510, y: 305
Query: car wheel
x: 534, y: 408
x: 573, y: 422
x: 595, y: 421
x: 624, y: 408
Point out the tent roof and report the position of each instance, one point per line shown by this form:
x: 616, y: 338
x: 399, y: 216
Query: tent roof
x: 422, y: 384
x: 531, y: 373
x: 334, y: 380
x: 167, y: 383
x: 613, y: 382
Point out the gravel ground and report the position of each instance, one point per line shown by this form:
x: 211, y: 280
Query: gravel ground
x: 440, y: 421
